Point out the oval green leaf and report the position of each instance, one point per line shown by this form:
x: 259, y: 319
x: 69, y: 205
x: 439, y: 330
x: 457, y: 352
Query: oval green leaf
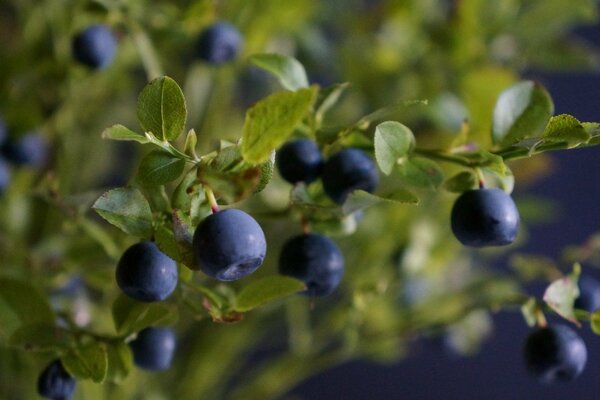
x: 289, y: 71
x: 266, y: 290
x: 522, y: 111
x: 159, y: 167
x: 127, y: 209
x: 161, y: 108
x: 393, y: 141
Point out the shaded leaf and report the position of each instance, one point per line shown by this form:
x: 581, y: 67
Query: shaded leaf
x: 461, y: 182
x: 265, y: 290
x: 161, y: 108
x: 87, y: 361
x: 359, y: 199
x: 120, y: 361
x: 22, y: 303
x: 421, y: 172
x: 529, y: 310
x: 159, y: 167
x: 132, y: 316
x: 272, y: 120
x: 127, y: 209
x: 41, y: 336
x: 393, y: 141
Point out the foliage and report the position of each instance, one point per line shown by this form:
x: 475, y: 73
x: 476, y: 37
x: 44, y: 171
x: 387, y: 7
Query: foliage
x: 429, y: 88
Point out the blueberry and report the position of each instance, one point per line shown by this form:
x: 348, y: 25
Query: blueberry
x: 4, y: 175
x: 145, y: 273
x: 153, y: 349
x: 56, y: 383
x: 347, y: 171
x: 219, y: 43
x: 30, y: 149
x: 299, y: 161
x: 315, y: 260
x: 554, y: 354
x: 229, y: 245
x: 485, y: 217
x: 95, y: 46
x: 589, y: 294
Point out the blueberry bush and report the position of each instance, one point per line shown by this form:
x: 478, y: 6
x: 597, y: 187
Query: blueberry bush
x: 236, y: 195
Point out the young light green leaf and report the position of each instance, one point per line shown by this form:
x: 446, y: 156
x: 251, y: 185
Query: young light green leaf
x: 191, y: 140
x: 522, y: 111
x: 327, y: 98
x: 393, y: 141
x: 288, y: 70
x: 461, y: 182
x: 132, y: 316
x: 23, y: 302
x: 88, y: 361
x: 421, y: 172
x: 265, y: 290
x: 359, y: 199
x: 120, y: 132
x: 529, y: 310
x: 272, y: 120
x: 41, y: 336
x: 565, y: 128
x: 159, y: 167
x: 161, y: 108
x: 127, y: 209
x: 561, y: 295
x: 120, y: 361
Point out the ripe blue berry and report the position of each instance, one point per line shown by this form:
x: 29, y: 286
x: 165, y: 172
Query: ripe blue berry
x: 299, y: 161
x: 4, y: 175
x: 55, y: 383
x: 347, y: 171
x: 95, y: 46
x: 153, y: 349
x: 554, y: 354
x: 229, y: 245
x: 30, y: 149
x: 485, y: 217
x: 145, y: 273
x: 589, y: 294
x: 219, y: 43
x: 315, y: 260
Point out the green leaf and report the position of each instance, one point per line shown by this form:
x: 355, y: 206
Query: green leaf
x: 529, y: 310
x: 189, y: 146
x: 120, y: 132
x: 120, y: 361
x: 265, y: 290
x: 461, y: 182
x: 561, y: 295
x: 127, y: 209
x: 359, y: 199
x: 272, y: 120
x: 421, y: 172
x: 595, y: 322
x: 522, y: 111
x: 132, y: 316
x: 22, y: 303
x: 161, y: 108
x: 327, y: 98
x: 393, y: 141
x: 88, y: 361
x: 159, y: 167
x: 565, y: 128
x: 288, y: 70
x: 41, y: 336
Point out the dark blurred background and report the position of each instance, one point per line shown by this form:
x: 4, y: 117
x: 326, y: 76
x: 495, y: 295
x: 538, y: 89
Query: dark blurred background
x: 497, y: 372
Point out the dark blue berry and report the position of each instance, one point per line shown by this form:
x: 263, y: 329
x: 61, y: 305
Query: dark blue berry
x: 555, y: 354
x: 219, y: 43
x: 30, y: 149
x: 315, y: 260
x: 229, y: 245
x: 95, y: 46
x: 299, y: 161
x: 589, y: 294
x: 485, y: 217
x: 55, y: 383
x: 347, y: 171
x: 153, y: 349
x: 145, y: 273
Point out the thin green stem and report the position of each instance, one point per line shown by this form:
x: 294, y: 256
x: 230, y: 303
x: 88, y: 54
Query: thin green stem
x: 433, y: 154
x: 212, y: 201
